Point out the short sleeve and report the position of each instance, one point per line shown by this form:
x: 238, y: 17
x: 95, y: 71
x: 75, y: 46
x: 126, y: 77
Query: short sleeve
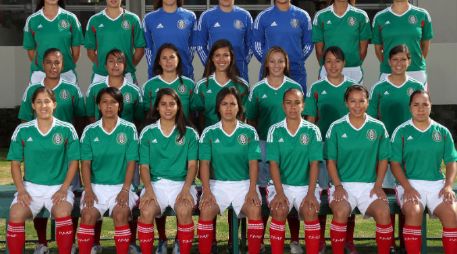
x: 450, y: 154
x: 318, y: 33
x: 204, y: 146
x: 365, y: 28
x: 16, y: 151
x: 90, y: 103
x: 310, y: 104
x: 76, y: 32
x: 376, y: 39
x: 29, y: 40
x: 90, y: 38
x: 427, y: 29
x: 272, y: 146
x: 251, y: 106
x: 396, y: 144
x: 315, y: 146
x: 384, y: 146
x: 73, y: 149
x: 331, y: 145
x: 86, y: 146
x: 138, y: 34
x: 196, y: 101
x: 79, y: 103
x: 254, y: 147
x: 144, y: 147
x: 374, y: 103
x: 26, y: 111
x: 192, y: 153
x: 132, y: 146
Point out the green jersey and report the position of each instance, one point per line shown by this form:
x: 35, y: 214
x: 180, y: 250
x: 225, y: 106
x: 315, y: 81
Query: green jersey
x: 357, y: 151
x: 70, y: 102
x: 104, y: 34
x: 420, y: 152
x: 294, y: 152
x: 325, y: 102
x: 167, y: 156
x: 205, y: 97
x: 109, y: 153
x: 386, y: 98
x: 410, y: 28
x: 229, y: 154
x: 46, y: 156
x: 62, y: 32
x: 184, y: 88
x: 133, y: 101
x: 264, y: 104
x: 345, y: 32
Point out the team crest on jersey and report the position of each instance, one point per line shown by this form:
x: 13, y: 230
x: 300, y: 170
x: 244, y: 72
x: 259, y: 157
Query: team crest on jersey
x: 127, y: 97
x: 352, y: 21
x: 304, y: 139
x: 238, y: 24
x: 181, y: 24
x: 57, y: 139
x: 121, y: 138
x: 64, y: 95
x: 410, y: 91
x: 181, y: 141
x: 242, y: 139
x: 371, y: 134
x: 125, y: 25
x: 182, y: 89
x: 294, y: 23
x: 436, y: 135
x: 63, y: 24
x: 412, y: 19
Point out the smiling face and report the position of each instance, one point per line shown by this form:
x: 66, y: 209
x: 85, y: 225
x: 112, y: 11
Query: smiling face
x: 420, y: 107
x: 113, y: 3
x: 276, y: 64
x: 115, y: 65
x: 221, y: 59
x: 399, y: 63
x: 167, y: 108
x: 53, y: 64
x: 168, y: 60
x: 333, y: 65
x: 357, y: 103
x: 44, y: 106
x: 293, y: 104
x: 228, y: 108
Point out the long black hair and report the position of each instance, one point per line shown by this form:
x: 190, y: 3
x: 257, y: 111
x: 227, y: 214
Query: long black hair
x: 222, y: 94
x: 180, y: 120
x: 232, y: 71
x: 158, y: 70
x: 159, y: 3
x: 40, y: 4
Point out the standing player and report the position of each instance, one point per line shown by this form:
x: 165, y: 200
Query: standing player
x: 51, y: 26
x: 403, y: 23
x: 229, y: 151
x: 133, y: 102
x: 325, y: 104
x: 109, y: 151
x: 230, y: 22
x: 170, y: 23
x: 114, y: 28
x: 168, y: 157
x: 357, y: 151
x: 294, y: 151
x: 347, y: 27
x: 419, y: 147
x: 288, y: 27
x: 220, y: 71
x: 263, y: 109
x: 46, y: 182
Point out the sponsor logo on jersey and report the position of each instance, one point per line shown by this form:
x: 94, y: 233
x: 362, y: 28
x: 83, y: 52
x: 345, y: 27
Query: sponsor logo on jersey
x: 127, y: 98
x: 182, y: 89
x: 294, y: 23
x: 410, y: 138
x: 352, y: 21
x: 159, y: 26
x: 29, y: 139
x: 324, y: 92
x: 96, y: 139
x: 181, y: 141
x: 57, y: 139
x: 410, y: 91
x: 412, y: 19
x: 242, y: 139
x: 274, y: 24
x: 39, y: 26
x: 436, y: 135
x: 181, y: 24
x: 386, y: 93
x: 344, y: 135
x: 217, y: 141
x: 63, y: 24
x: 64, y: 94
x: 125, y: 25
x: 371, y: 134
x: 101, y: 26
x: 304, y: 139
x: 238, y: 24
x: 217, y: 24
x: 121, y: 138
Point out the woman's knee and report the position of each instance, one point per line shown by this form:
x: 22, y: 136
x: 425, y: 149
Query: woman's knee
x: 19, y: 213
x: 120, y: 215
x: 63, y: 209
x: 89, y: 216
x: 252, y: 211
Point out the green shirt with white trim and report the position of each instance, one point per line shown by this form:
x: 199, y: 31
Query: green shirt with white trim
x: 184, y: 88
x: 294, y: 152
x: 345, y: 31
x: 109, y: 153
x: 229, y: 154
x: 205, y: 97
x: 46, y: 156
x: 357, y: 151
x: 62, y: 32
x: 410, y: 28
x: 167, y: 156
x: 325, y: 102
x: 264, y: 104
x: 386, y: 98
x: 421, y: 152
x: 69, y: 99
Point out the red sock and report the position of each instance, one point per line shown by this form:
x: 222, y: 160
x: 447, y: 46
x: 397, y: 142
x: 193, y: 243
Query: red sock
x: 98, y: 232
x: 277, y: 235
x: 40, y: 225
x: 413, y: 239
x: 312, y: 236
x: 122, y: 239
x: 294, y: 227
x: 146, y: 237
x: 255, y: 233
x: 15, y: 237
x: 338, y: 236
x: 205, y: 236
x: 133, y: 226
x: 350, y: 230
x: 85, y: 238
x: 322, y: 222
x: 384, y: 235
x: 64, y: 234
x: 160, y: 225
x: 449, y: 240
x: 185, y: 237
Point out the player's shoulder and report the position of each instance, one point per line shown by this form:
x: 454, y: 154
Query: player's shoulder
x: 420, y: 10
x: 293, y: 83
x: 208, y: 13
x: 127, y: 124
x: 208, y: 130
x: 381, y: 14
x: 23, y: 127
x: 400, y: 128
x: 187, y: 80
x: 343, y: 121
x: 200, y: 82
x: 96, y: 17
x: 149, y: 128
x: 265, y: 13
x: 358, y: 11
x: 273, y: 129
x: 133, y: 87
x: 95, y: 85
x: 191, y: 131
x: 33, y: 17
x: 69, y: 13
x: 132, y: 15
x: 241, y: 10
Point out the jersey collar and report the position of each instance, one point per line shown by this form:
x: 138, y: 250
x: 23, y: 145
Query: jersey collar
x: 392, y: 84
x: 391, y: 11
x: 108, y: 17
x: 159, y: 126
x: 50, y: 129
x: 100, y: 124
x: 58, y: 84
x: 213, y: 76
x: 225, y: 133
x: 352, y: 126
x: 336, y: 15
x: 50, y: 20
x: 168, y: 83
x: 419, y: 130
x: 338, y: 85
x: 287, y: 129
x: 277, y: 88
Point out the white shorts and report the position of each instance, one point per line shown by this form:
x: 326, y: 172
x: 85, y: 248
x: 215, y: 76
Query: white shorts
x: 294, y: 194
x: 354, y: 73
x: 96, y: 78
x: 358, y: 195
x: 106, y: 196
x: 167, y: 191
x: 231, y: 193
x: 264, y: 167
x: 42, y: 196
x: 420, y: 76
x: 323, y: 178
x: 428, y: 190
x: 69, y: 76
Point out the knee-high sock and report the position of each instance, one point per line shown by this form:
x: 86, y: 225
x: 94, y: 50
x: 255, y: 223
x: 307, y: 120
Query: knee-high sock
x: 185, y: 237
x: 85, y: 238
x: 255, y: 233
x: 146, y: 237
x: 312, y: 236
x: 413, y: 239
x: 205, y: 236
x: 450, y: 240
x: 277, y: 235
x: 384, y: 235
x: 15, y: 237
x: 64, y: 234
x: 338, y: 236
x: 122, y: 239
